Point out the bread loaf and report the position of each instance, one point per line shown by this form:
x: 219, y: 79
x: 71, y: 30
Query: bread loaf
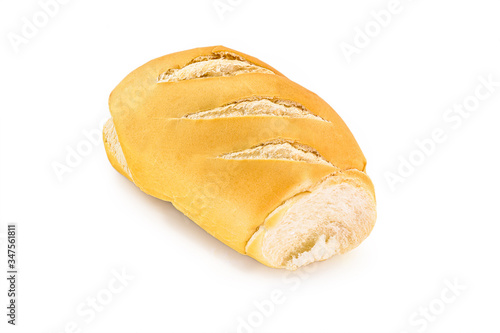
x: 259, y: 162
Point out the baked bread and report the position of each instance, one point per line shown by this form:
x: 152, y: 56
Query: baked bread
x: 259, y: 162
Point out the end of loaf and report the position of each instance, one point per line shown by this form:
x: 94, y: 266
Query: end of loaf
x: 330, y: 218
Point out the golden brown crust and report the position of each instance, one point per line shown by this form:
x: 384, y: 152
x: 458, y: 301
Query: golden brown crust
x: 176, y: 159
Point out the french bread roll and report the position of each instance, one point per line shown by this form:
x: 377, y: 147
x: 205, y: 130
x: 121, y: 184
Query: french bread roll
x: 259, y: 162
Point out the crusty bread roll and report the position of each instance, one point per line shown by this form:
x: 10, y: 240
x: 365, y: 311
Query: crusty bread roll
x: 259, y: 162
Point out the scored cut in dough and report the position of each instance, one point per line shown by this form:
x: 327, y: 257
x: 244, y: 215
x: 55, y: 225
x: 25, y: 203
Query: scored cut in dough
x: 279, y: 150
x: 257, y: 107
x: 226, y: 64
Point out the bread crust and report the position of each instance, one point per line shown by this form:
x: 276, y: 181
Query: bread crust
x: 177, y: 159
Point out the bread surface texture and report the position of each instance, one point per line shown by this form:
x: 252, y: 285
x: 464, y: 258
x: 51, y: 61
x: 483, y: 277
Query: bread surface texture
x: 258, y: 161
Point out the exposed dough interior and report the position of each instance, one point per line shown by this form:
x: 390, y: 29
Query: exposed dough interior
x: 257, y: 107
x: 330, y: 219
x: 279, y: 150
x: 221, y: 64
x: 111, y: 140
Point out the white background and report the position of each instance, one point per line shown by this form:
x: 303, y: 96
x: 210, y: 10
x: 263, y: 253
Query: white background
x: 437, y: 227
